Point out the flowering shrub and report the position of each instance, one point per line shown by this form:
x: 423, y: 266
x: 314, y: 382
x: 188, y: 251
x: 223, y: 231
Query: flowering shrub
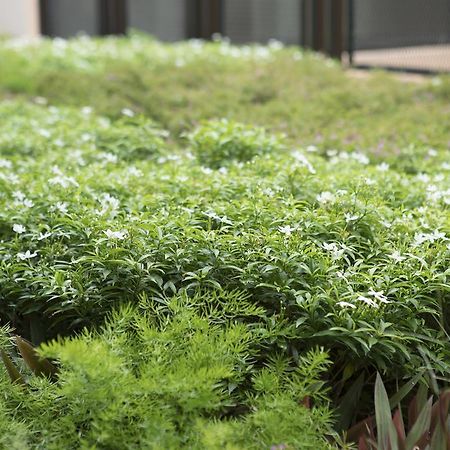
x: 309, y: 240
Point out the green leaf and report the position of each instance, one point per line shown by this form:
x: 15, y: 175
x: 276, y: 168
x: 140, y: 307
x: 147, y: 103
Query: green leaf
x: 386, y: 434
x: 40, y: 366
x: 12, y: 370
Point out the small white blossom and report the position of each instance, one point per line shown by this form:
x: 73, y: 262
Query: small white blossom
x: 367, y: 301
x: 135, y: 172
x: 383, y: 167
x: 5, y: 164
x: 44, y: 133
x: 43, y: 236
x: 346, y: 305
x: 420, y: 238
x: 108, y: 157
x: 18, y: 228
x: 303, y: 161
x: 61, y: 207
x: 286, y: 229
x: 336, y: 250
x: 351, y: 217
x: 26, y: 255
x: 369, y: 181
x: 119, y: 235
x: 206, y: 170
x: 396, y: 256
x: 378, y: 296
x: 19, y: 196
x: 325, y: 197
x: 127, y: 112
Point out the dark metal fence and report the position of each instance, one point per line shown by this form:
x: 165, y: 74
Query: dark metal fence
x: 412, y: 35
x: 399, y: 34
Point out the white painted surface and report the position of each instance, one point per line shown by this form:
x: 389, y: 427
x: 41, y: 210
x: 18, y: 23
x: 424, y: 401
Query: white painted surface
x: 19, y: 17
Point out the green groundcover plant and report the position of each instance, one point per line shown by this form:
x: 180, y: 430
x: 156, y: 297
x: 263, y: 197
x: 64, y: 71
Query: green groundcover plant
x: 299, y: 241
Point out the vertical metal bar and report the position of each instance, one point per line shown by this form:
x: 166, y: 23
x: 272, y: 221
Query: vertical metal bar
x: 351, y: 31
x: 193, y: 18
x: 44, y: 17
x: 112, y: 14
x: 337, y: 38
x: 318, y: 25
x: 302, y: 22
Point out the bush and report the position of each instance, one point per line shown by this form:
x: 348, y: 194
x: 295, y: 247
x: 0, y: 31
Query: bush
x: 150, y: 380
x: 218, y: 143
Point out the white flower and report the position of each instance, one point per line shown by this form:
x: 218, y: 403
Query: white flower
x: 28, y: 203
x: 336, y: 250
x: 61, y: 207
x: 206, y: 170
x: 383, y: 167
x: 127, y: 112
x: 378, y: 296
x: 303, y: 161
x: 287, y: 230
x: 420, y: 238
x: 396, y: 256
x: 135, y: 172
x: 109, y: 203
x: 350, y: 217
x: 119, y: 235
x: 367, y: 301
x: 19, y: 196
x: 370, y: 181
x: 86, y: 110
x: 325, y: 197
x: 360, y: 157
x: 18, y: 228
x: 43, y: 236
x: 311, y: 149
x: 26, y: 255
x: 108, y: 157
x: 4, y: 163
x: 346, y: 305
x: 432, y: 152
x: 44, y: 133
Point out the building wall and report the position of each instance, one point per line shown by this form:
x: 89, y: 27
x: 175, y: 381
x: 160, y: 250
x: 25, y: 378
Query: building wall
x: 19, y: 17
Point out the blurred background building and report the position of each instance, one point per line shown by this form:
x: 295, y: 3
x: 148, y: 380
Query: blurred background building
x: 413, y: 34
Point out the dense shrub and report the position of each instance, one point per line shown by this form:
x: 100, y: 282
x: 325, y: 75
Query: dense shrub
x: 217, y: 143
x: 150, y: 380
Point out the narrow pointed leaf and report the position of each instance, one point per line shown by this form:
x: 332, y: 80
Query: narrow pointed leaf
x: 12, y: 370
x: 400, y: 428
x: 420, y: 430
x: 386, y: 434
x: 404, y: 390
x: 40, y: 366
x: 348, y: 404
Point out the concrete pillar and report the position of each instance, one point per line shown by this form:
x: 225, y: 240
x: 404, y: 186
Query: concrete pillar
x: 19, y: 18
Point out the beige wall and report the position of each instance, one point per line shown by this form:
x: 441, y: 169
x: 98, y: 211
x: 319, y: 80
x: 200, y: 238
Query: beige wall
x: 19, y: 17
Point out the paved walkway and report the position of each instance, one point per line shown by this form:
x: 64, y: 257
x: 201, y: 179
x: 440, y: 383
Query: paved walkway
x: 434, y: 57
